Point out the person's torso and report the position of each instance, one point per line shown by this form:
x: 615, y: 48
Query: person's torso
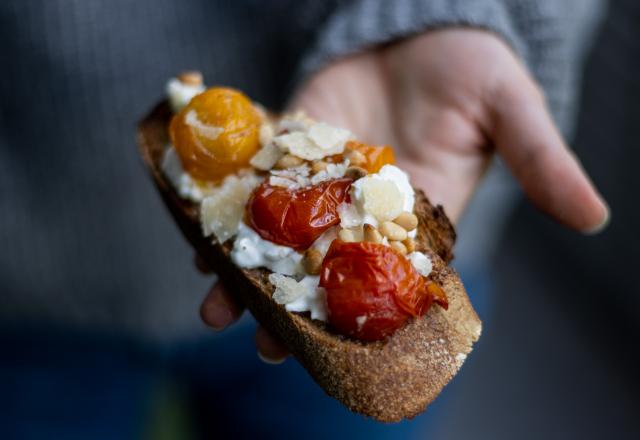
x: 85, y: 240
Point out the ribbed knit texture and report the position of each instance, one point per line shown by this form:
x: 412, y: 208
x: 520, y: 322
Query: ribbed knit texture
x: 364, y: 23
x: 84, y: 239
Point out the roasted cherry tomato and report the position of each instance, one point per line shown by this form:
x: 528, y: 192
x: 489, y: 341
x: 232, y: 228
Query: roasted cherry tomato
x: 296, y: 218
x: 439, y: 297
x: 372, y: 289
x: 216, y: 133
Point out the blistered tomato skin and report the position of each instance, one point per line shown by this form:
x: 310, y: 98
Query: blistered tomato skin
x: 438, y: 295
x: 372, y: 290
x: 216, y: 134
x: 296, y: 218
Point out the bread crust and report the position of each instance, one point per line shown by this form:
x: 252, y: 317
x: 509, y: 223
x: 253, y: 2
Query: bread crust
x: 386, y: 380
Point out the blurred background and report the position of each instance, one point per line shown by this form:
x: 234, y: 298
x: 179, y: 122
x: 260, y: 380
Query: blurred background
x: 99, y: 329
x: 557, y: 358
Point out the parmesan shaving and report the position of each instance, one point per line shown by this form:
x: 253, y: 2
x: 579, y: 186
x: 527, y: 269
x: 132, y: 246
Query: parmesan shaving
x: 211, y: 132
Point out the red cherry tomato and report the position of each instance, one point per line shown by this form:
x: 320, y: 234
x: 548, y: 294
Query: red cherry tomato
x: 296, y: 218
x: 372, y: 289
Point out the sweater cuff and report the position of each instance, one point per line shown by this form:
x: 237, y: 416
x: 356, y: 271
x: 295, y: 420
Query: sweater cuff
x: 362, y: 24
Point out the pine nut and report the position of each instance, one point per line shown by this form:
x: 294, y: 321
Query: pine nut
x: 407, y: 220
x: 355, y: 173
x: 371, y: 234
x: 312, y: 261
x: 398, y: 246
x: 191, y: 78
x: 410, y: 244
x: 393, y: 231
x: 318, y: 166
x: 346, y: 235
x: 288, y: 161
x: 355, y: 157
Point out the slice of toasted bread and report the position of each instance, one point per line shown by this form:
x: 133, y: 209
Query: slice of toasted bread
x: 388, y: 380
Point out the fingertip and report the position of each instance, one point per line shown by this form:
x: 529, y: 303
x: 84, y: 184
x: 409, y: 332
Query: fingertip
x: 575, y: 201
x: 270, y: 361
x: 269, y: 349
x: 602, y: 224
x: 201, y: 264
x: 550, y: 173
x: 219, y: 309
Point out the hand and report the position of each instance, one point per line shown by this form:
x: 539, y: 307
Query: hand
x: 446, y: 100
x: 220, y: 309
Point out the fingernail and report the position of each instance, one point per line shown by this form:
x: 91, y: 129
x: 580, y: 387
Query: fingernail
x: 270, y: 361
x: 218, y: 317
x: 602, y: 225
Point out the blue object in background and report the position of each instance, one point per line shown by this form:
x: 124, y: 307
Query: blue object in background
x: 67, y: 386
x: 58, y: 386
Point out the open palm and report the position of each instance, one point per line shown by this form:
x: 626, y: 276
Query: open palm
x: 445, y: 100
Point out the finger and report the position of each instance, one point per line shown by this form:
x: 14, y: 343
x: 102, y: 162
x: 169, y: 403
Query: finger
x: 270, y: 349
x: 552, y: 177
x: 202, y: 265
x: 220, y: 309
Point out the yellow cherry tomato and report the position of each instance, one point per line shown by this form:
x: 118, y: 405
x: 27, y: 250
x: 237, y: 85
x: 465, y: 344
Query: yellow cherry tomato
x: 216, y: 134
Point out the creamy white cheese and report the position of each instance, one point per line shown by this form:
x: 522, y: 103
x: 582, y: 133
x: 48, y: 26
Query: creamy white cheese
x: 292, y: 178
x: 251, y: 251
x: 333, y: 171
x: 286, y: 290
x: 186, y: 186
x: 300, y: 296
x: 378, y: 198
x: 315, y: 301
x: 179, y: 93
x: 393, y: 174
x: 350, y: 217
x: 323, y: 242
x: 222, y: 211
x: 328, y: 138
x: 313, y: 141
x: 421, y: 262
x: 299, y: 177
x: 267, y: 156
x: 355, y: 214
x: 304, y: 295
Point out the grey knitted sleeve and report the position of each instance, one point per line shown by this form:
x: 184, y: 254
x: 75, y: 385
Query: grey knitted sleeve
x: 364, y: 23
x: 548, y: 35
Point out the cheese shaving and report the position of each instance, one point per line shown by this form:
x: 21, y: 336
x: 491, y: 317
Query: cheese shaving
x: 222, y: 211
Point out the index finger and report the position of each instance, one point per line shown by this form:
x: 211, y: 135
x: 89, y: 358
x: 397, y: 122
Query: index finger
x: 550, y: 174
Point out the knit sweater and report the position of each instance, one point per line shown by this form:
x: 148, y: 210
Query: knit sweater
x: 85, y: 242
